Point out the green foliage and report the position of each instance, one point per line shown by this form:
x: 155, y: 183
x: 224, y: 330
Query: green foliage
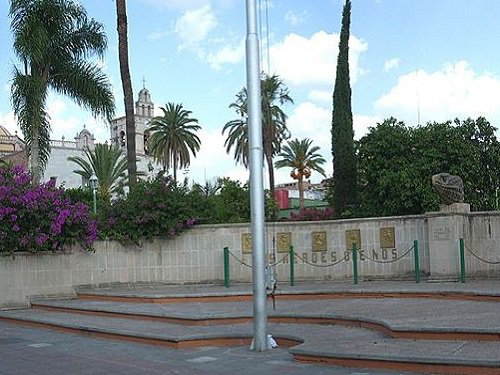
x: 108, y: 164
x: 53, y: 40
x: 173, y: 137
x: 274, y: 93
x: 226, y: 201
x: 344, y: 159
x: 303, y: 159
x: 396, y: 163
x: 80, y: 194
x: 158, y: 208
x: 39, y: 218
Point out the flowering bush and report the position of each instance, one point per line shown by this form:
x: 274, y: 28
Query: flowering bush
x: 39, y: 217
x: 312, y: 214
x: 158, y: 208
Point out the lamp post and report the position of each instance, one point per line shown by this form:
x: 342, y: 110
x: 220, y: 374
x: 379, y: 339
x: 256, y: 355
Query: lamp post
x: 93, y: 183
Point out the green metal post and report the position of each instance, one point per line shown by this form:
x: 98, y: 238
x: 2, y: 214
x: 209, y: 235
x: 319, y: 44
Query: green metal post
x: 226, y: 268
x: 417, y: 261
x: 292, y: 269
x: 462, y: 261
x: 355, y: 263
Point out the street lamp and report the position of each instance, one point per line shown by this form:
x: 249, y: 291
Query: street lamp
x: 93, y: 184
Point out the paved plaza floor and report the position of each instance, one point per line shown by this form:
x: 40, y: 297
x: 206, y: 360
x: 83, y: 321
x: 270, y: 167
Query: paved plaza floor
x: 453, y: 324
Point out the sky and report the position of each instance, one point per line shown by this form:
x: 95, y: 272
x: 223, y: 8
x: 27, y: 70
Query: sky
x: 416, y: 60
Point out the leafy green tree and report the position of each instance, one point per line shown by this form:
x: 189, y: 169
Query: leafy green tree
x: 121, y: 12
x: 344, y: 158
x: 303, y: 159
x: 173, y: 137
x: 53, y: 40
x: 396, y: 163
x: 274, y: 94
x: 108, y: 164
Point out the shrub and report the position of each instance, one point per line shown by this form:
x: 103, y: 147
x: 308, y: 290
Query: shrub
x: 312, y: 214
x: 158, y: 208
x: 39, y: 217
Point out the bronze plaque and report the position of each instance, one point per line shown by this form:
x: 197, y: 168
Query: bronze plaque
x: 352, y: 237
x: 318, y: 241
x: 387, y: 238
x: 284, y: 241
x: 246, y: 243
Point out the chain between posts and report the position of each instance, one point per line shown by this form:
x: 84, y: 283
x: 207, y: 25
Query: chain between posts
x: 250, y: 266
x: 481, y: 259
x: 285, y: 257
x: 388, y: 261
x: 318, y: 265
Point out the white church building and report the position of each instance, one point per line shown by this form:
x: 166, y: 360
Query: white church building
x: 58, y: 166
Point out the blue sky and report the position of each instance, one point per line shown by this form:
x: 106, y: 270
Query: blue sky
x: 432, y: 60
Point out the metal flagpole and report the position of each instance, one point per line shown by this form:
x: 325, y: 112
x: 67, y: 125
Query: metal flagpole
x: 256, y: 185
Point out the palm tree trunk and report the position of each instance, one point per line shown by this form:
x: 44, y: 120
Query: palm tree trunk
x: 34, y: 159
x: 269, y: 161
x: 301, y: 193
x: 121, y: 12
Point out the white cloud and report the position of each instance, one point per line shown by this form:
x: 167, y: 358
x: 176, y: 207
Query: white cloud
x: 453, y: 91
x: 321, y: 96
x: 8, y: 121
x: 227, y: 55
x: 194, y: 26
x: 294, y: 19
x: 391, y: 64
x: 177, y: 4
x: 156, y: 35
x: 362, y: 123
x: 313, y: 60
x: 212, y: 160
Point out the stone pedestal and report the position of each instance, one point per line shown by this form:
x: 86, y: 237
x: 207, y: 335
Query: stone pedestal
x: 445, y: 229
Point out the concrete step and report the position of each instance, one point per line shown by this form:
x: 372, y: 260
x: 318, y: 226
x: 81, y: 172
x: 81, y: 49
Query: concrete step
x: 439, y: 328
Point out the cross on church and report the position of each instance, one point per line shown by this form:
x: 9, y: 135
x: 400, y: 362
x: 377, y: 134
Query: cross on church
x: 143, y: 82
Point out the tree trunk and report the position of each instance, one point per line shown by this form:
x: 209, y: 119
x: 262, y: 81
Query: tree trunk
x: 301, y: 193
x: 121, y: 12
x: 34, y: 159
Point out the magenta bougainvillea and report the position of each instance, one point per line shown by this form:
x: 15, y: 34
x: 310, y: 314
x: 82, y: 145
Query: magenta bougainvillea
x: 38, y: 217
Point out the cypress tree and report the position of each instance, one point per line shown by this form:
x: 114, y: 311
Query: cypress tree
x: 344, y: 160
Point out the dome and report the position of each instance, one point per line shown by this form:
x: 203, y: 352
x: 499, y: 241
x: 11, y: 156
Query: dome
x: 144, y: 96
x: 4, y: 132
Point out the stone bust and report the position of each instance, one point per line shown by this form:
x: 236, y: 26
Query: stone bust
x: 449, y: 187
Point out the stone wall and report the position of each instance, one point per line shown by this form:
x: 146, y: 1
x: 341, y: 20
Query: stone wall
x: 196, y: 256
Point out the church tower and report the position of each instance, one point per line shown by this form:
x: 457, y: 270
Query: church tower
x: 144, y: 112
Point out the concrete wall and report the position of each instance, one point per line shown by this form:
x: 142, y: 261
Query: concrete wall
x: 196, y: 256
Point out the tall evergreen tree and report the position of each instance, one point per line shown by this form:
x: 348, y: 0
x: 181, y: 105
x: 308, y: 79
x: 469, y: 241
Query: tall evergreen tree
x: 344, y: 159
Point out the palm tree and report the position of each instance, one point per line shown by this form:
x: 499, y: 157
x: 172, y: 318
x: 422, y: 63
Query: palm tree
x: 53, y: 39
x: 108, y: 164
x: 173, y: 137
x: 274, y: 130
x: 121, y: 12
x: 303, y: 159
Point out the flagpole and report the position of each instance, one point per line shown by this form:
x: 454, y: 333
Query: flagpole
x: 256, y: 183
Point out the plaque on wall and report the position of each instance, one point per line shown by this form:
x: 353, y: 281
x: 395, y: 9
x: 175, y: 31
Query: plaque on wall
x: 352, y: 237
x: 318, y: 241
x: 284, y: 241
x: 246, y: 243
x: 387, y: 238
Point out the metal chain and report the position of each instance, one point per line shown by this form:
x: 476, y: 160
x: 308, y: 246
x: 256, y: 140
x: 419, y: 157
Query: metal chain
x: 481, y: 259
x: 239, y: 260
x: 389, y: 261
x: 279, y: 261
x: 317, y: 265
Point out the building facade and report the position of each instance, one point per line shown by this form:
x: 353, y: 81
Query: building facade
x: 12, y: 148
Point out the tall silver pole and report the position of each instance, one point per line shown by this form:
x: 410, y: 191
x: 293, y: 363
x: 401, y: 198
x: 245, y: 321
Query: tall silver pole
x: 256, y: 185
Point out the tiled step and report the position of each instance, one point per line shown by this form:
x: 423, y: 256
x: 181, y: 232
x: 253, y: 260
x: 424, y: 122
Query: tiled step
x: 346, y: 346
